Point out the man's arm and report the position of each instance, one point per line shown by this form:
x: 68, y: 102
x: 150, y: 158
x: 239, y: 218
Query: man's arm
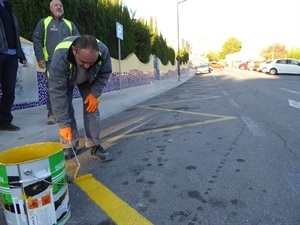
x: 75, y: 31
x: 38, y: 43
x: 58, y: 88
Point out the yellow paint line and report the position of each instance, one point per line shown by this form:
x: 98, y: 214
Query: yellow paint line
x: 186, y: 100
x: 149, y: 131
x: 118, y: 210
x: 186, y: 112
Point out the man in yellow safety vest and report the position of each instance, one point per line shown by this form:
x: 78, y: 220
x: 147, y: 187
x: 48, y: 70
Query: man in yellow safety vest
x: 48, y: 33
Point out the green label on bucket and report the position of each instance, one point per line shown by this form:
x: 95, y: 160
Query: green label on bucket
x: 58, y: 171
x: 4, y: 188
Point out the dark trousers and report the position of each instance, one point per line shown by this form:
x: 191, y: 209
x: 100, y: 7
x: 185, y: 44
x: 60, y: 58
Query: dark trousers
x: 8, y: 76
x: 49, y: 107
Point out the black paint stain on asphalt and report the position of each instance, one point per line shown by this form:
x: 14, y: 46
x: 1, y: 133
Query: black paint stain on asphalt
x: 151, y: 182
x: 140, y: 180
x: 180, y: 216
x: 125, y: 183
x: 237, y: 203
x: 136, y: 172
x: 217, y: 203
x: 234, y: 202
x: 196, y: 195
x: 200, y: 208
x: 152, y: 200
x: 223, y: 161
x: 191, y: 167
x: 240, y: 160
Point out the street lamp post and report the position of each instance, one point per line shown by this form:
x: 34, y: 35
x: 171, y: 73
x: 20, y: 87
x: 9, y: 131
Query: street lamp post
x: 178, y: 56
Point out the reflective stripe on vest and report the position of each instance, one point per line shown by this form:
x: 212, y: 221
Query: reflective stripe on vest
x: 46, y: 24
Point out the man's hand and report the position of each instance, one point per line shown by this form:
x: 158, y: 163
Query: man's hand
x: 92, y: 102
x: 42, y: 64
x: 24, y: 62
x: 66, y: 133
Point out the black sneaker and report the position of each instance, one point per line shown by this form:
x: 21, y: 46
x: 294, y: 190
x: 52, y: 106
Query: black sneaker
x: 97, y: 152
x: 69, y: 154
x: 8, y: 126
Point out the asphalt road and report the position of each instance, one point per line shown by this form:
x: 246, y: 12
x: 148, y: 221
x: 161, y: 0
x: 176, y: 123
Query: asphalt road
x: 220, y: 149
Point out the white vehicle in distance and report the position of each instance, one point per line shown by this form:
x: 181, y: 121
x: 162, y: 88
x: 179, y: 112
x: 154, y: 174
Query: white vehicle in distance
x: 283, y: 66
x: 203, y: 68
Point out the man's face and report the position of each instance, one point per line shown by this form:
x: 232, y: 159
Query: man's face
x: 85, y: 58
x: 56, y: 8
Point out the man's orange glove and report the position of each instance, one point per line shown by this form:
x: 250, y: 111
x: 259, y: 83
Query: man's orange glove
x: 92, y: 103
x: 66, y: 133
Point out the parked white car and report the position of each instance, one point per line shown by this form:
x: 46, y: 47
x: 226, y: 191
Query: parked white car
x: 263, y: 66
x: 283, y: 66
x: 203, y: 68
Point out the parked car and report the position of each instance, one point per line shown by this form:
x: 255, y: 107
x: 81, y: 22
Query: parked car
x: 203, y: 68
x: 253, y: 65
x: 215, y: 65
x: 243, y: 66
x: 262, y: 67
x: 282, y: 66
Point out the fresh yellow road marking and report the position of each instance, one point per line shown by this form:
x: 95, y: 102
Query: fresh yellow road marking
x: 118, y: 210
x: 149, y: 131
x: 184, y: 100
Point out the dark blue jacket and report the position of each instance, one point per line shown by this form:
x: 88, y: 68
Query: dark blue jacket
x: 3, y: 40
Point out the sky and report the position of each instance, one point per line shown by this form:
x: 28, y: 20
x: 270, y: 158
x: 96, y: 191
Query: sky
x: 207, y: 24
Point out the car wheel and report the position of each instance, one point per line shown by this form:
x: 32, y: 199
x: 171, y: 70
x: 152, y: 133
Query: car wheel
x: 264, y: 70
x: 273, y: 71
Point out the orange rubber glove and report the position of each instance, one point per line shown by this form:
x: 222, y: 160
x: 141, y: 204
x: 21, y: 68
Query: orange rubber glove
x: 92, y: 102
x: 66, y: 133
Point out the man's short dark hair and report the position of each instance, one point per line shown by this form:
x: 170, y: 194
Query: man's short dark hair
x: 87, y: 42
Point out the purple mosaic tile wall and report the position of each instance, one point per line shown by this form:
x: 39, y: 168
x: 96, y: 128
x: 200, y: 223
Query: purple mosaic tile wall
x: 129, y: 79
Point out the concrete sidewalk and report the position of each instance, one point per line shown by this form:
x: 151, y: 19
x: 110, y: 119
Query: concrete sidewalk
x: 33, y: 125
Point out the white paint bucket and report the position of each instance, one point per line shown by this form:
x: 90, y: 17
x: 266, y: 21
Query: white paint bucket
x: 33, y: 185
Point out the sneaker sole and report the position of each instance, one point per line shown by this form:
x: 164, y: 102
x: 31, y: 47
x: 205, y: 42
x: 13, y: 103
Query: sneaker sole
x: 101, y: 160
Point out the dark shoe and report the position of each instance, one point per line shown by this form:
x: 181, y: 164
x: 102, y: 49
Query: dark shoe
x: 97, y: 152
x: 51, y: 120
x: 8, y: 126
x: 69, y: 153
